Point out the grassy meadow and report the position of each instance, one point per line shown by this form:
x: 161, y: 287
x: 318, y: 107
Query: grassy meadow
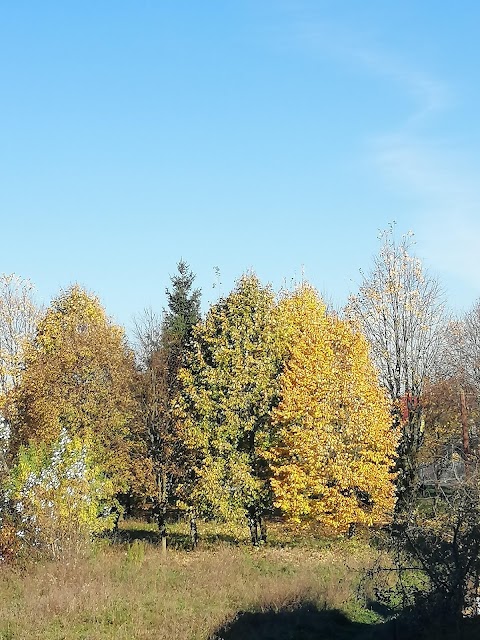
x: 292, y: 588
x: 126, y: 588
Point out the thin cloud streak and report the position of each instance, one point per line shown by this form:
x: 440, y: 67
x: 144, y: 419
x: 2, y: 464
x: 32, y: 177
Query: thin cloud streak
x: 434, y: 173
x: 437, y: 174
x: 340, y: 43
x: 431, y: 95
x: 448, y: 201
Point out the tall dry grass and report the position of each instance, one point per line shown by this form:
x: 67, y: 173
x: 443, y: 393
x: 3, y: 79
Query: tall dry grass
x: 133, y: 591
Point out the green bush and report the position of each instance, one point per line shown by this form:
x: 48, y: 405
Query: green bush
x: 56, y: 497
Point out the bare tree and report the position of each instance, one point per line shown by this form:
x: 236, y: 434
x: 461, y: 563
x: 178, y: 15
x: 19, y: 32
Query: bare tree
x: 460, y: 362
x: 400, y: 310
x: 438, y: 539
x: 18, y: 320
x: 148, y: 336
x: 461, y: 355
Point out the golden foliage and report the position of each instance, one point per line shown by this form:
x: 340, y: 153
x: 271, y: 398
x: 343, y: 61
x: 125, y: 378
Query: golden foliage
x: 79, y: 376
x: 332, y: 461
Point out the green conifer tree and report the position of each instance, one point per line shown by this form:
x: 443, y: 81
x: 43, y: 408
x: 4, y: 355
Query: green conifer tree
x: 164, y: 346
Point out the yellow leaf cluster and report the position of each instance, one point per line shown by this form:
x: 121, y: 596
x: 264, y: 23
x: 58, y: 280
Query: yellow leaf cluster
x: 332, y: 459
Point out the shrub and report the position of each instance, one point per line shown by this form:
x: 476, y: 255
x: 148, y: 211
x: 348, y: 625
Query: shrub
x: 56, y: 497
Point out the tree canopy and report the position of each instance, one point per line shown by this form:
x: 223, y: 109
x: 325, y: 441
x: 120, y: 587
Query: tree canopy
x: 228, y: 390
x: 399, y: 309
x: 79, y: 376
x: 334, y: 446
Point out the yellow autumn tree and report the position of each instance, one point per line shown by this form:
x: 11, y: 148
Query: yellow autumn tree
x: 332, y: 460
x: 79, y: 378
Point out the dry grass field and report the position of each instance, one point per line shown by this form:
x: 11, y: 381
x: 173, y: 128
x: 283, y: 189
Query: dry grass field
x: 128, y: 589
x: 293, y: 588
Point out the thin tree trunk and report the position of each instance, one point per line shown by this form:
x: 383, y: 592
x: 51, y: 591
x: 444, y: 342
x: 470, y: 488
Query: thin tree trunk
x: 193, y: 531
x: 252, y: 525
x: 263, y: 530
x: 407, y: 464
x: 162, y: 527
x: 465, y: 434
x: 162, y: 509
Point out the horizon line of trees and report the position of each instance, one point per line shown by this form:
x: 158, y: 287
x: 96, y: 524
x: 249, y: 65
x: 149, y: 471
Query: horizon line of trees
x: 269, y: 403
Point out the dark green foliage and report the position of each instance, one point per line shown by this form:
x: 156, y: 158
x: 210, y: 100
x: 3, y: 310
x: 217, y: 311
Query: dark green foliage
x: 164, y: 346
x: 183, y: 311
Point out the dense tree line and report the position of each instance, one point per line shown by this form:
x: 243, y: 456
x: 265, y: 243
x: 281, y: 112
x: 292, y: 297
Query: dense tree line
x: 269, y: 404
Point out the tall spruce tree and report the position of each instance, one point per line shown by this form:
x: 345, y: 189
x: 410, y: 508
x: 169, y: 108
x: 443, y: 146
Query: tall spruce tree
x: 165, y: 344
x: 180, y: 317
x: 183, y: 311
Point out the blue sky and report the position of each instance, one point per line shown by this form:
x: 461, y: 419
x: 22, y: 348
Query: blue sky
x: 274, y: 135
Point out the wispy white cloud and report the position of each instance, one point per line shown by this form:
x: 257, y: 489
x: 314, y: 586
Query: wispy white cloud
x: 429, y: 94
x: 351, y: 46
x: 433, y: 170
x: 439, y: 177
x: 440, y: 180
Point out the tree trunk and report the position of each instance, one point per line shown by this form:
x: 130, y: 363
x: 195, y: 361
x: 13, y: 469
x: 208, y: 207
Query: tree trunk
x: 162, y: 526
x: 161, y: 509
x: 116, y: 519
x: 252, y: 525
x: 407, y: 464
x: 193, y: 531
x: 465, y: 434
x: 257, y: 526
x: 263, y: 530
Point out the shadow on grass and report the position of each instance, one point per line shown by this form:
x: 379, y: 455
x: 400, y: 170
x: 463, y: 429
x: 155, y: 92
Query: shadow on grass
x: 175, y: 540
x: 127, y: 536
x: 305, y: 622
x: 308, y: 622
x: 182, y: 541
